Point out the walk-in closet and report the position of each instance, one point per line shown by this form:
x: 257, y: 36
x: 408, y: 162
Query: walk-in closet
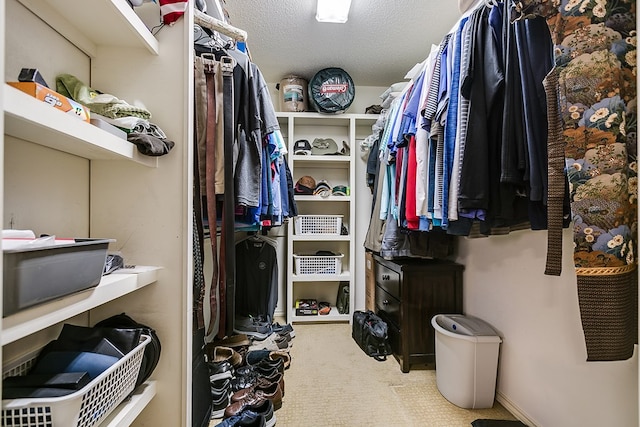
x: 267, y: 213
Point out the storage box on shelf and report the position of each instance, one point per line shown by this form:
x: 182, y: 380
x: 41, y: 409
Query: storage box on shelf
x: 318, y: 264
x: 36, y: 274
x: 86, y: 407
x: 318, y: 224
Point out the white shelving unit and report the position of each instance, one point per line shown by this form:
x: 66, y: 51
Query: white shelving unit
x: 66, y: 177
x: 336, y: 170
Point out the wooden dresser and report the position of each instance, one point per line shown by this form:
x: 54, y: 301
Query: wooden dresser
x: 408, y: 293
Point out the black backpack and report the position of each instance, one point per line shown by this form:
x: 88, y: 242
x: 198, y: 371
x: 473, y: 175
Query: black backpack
x: 151, y: 351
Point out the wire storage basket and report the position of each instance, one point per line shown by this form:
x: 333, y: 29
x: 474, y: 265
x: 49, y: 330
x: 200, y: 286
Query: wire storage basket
x: 318, y: 264
x: 318, y: 224
x: 86, y: 407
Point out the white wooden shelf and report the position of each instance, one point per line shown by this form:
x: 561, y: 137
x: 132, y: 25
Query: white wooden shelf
x: 39, y: 317
x: 126, y: 413
x: 316, y: 198
x: 322, y: 160
x: 320, y: 238
x: 344, y: 276
x: 333, y: 316
x: 320, y: 119
x: 35, y: 121
x: 89, y: 24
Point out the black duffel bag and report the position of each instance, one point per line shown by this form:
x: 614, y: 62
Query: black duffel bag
x: 370, y: 333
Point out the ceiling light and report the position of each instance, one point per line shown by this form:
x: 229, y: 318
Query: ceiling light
x: 333, y: 11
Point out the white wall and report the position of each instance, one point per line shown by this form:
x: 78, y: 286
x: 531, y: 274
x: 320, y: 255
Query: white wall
x: 542, y: 368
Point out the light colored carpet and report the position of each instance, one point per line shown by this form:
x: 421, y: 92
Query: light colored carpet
x: 331, y: 382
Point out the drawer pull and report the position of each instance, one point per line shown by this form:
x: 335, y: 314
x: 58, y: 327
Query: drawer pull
x: 386, y: 277
x: 385, y: 302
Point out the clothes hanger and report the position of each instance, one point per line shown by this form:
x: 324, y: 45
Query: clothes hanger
x: 208, y: 41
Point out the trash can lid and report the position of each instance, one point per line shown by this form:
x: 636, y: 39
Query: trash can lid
x: 465, y: 325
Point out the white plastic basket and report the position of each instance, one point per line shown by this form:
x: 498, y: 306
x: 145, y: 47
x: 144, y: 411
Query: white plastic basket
x: 86, y: 407
x: 318, y: 224
x: 318, y: 264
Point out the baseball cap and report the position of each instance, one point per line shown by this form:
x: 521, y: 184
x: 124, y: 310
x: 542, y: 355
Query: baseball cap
x: 305, y: 185
x: 322, y: 189
x: 302, y: 146
x: 322, y: 146
x: 340, y: 190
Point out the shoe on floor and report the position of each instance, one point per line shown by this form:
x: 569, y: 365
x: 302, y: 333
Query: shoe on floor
x: 266, y: 410
x: 245, y: 417
x: 252, y: 327
x: 220, y: 401
x: 273, y: 393
x: 251, y: 419
x: 234, y: 341
x: 285, y: 356
x: 277, y: 327
x: 248, y: 374
x: 273, y: 342
x: 261, y: 384
x: 255, y: 356
x: 220, y: 370
x: 217, y: 354
x: 244, y: 378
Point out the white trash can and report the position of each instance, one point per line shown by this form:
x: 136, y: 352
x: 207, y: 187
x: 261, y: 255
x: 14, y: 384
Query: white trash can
x: 466, y: 360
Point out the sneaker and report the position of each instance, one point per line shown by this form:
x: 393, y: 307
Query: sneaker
x: 234, y: 341
x: 277, y: 327
x: 220, y: 399
x: 265, y: 368
x: 221, y: 386
x: 285, y: 356
x: 220, y: 370
x: 236, y: 419
x: 244, y: 378
x: 266, y: 410
x: 255, y: 356
x: 252, y: 326
x: 273, y: 342
x: 251, y: 419
x: 269, y: 364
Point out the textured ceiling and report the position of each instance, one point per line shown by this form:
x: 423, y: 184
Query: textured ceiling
x: 379, y: 44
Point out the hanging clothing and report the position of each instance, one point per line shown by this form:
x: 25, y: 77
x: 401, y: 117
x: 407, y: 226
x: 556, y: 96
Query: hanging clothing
x: 595, y: 76
x: 256, y: 278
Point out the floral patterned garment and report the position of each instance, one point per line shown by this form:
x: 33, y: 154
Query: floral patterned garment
x: 595, y: 53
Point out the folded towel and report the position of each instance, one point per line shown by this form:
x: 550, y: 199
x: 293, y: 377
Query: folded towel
x: 101, y: 103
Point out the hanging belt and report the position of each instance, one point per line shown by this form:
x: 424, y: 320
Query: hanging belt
x: 227, y: 250
x: 556, y: 177
x: 210, y: 168
x: 198, y: 260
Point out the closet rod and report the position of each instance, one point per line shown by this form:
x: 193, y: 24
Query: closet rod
x: 214, y: 24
